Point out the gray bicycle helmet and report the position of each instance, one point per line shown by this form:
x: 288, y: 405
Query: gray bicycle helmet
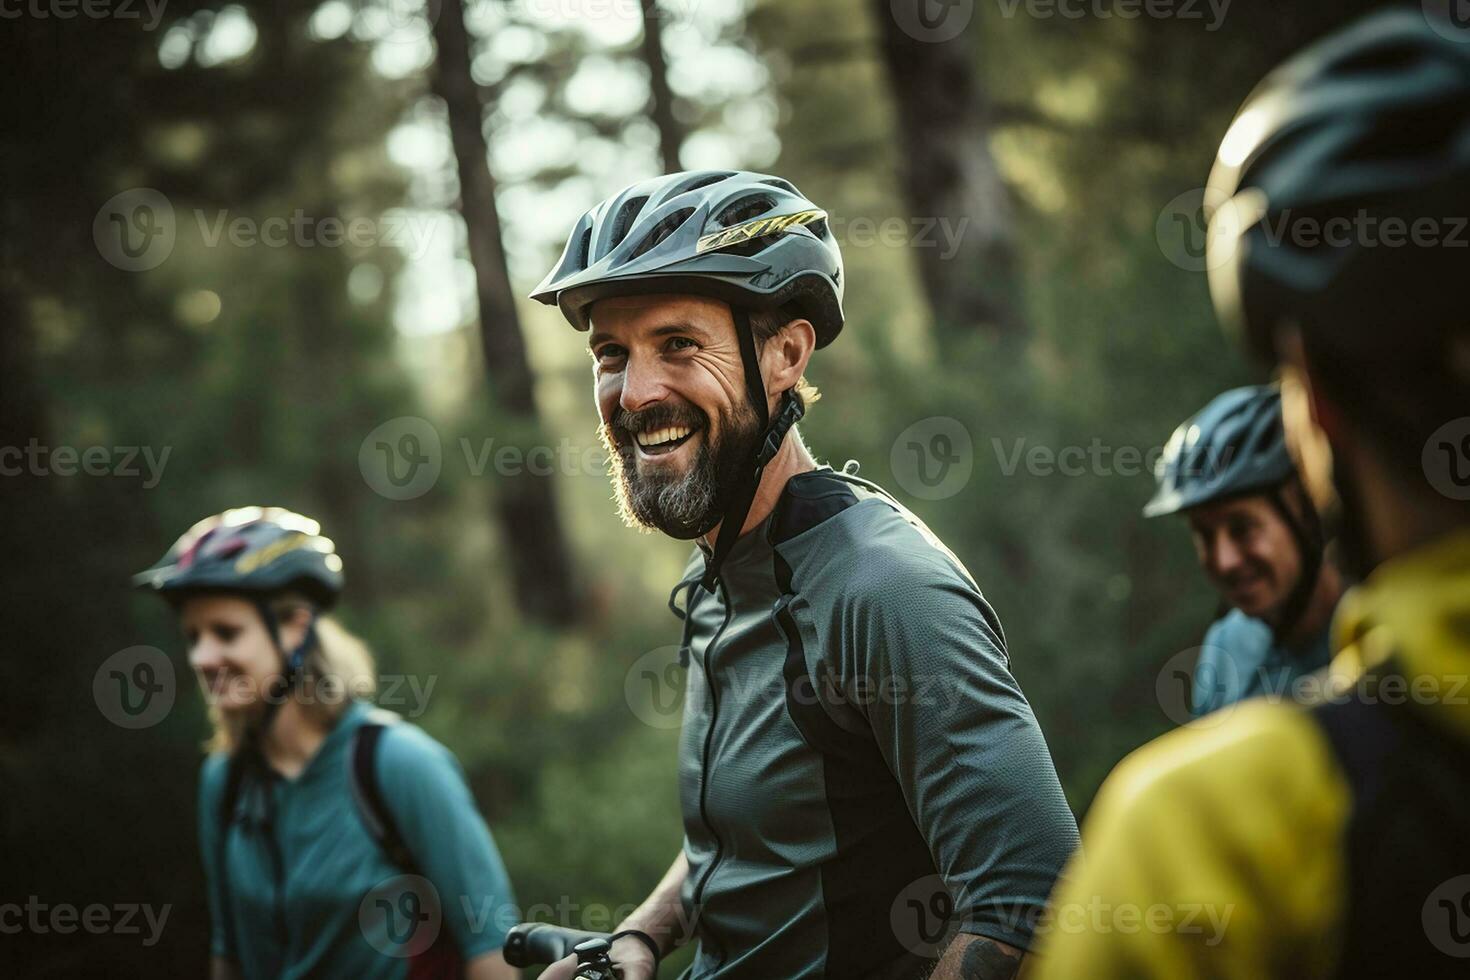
x: 749, y: 239
x: 1368, y: 126
x: 1234, y: 445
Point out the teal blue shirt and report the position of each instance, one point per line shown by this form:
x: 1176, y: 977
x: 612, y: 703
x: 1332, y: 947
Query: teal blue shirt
x: 337, y: 906
x: 1241, y: 659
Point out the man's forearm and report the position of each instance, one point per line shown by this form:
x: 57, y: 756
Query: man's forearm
x: 977, y: 958
x: 662, y: 914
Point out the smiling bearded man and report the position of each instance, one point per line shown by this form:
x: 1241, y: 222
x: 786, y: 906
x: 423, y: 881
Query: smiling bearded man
x: 826, y: 792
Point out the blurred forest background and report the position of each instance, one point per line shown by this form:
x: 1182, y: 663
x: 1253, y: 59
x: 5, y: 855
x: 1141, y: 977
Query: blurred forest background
x: 1005, y: 193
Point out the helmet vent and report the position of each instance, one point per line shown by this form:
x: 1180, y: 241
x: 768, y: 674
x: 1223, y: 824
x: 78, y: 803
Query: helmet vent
x: 785, y: 185
x: 662, y: 231
x: 584, y: 251
x: 698, y: 182
x: 625, y: 218
x: 745, y: 209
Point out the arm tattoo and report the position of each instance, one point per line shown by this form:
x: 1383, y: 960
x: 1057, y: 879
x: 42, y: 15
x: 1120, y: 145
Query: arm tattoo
x: 984, y: 960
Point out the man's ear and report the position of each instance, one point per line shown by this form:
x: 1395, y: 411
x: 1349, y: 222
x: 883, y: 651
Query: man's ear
x: 785, y: 356
x: 1313, y: 422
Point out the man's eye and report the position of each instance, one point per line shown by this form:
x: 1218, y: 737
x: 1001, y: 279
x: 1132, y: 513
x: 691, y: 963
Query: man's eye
x: 227, y: 634
x: 609, y: 352
x: 681, y: 343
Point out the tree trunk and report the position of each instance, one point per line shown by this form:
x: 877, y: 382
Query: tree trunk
x: 661, y: 97
x: 949, y: 177
x: 526, y: 509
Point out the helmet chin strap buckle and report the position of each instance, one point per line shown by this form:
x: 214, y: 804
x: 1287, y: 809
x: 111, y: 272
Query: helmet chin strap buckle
x: 790, y: 413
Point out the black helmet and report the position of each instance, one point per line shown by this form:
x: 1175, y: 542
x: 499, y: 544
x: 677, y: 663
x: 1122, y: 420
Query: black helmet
x: 1367, y: 127
x: 749, y: 239
x: 255, y: 551
x: 1234, y: 445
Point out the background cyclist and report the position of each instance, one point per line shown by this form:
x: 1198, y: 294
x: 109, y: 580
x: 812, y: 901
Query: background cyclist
x: 1259, y: 541
x: 298, y: 883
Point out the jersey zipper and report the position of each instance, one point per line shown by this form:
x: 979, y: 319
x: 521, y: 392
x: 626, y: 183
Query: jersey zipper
x: 714, y: 713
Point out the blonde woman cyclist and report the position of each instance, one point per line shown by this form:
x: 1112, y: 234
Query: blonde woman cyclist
x: 337, y: 841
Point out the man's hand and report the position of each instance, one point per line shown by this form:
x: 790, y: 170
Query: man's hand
x: 632, y: 959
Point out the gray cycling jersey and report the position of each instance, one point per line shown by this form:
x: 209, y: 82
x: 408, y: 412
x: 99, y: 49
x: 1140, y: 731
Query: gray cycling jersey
x: 851, y: 731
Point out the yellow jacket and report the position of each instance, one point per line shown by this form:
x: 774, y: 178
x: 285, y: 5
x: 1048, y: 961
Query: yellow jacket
x: 1223, y: 849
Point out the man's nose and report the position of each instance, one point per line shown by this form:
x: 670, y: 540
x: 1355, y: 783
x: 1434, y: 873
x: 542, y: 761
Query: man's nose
x: 204, y: 655
x: 1226, y: 556
x: 643, y: 385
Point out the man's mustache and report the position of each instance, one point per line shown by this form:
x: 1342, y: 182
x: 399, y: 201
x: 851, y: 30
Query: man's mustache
x: 625, y: 424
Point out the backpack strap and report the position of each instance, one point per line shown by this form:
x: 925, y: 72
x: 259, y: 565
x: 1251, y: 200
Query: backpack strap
x: 367, y: 792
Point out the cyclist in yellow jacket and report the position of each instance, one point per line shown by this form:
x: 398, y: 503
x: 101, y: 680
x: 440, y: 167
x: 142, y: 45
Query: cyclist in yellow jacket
x: 1331, y: 838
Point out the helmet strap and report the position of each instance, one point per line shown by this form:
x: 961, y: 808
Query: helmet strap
x: 1307, y: 533
x: 772, y: 433
x: 292, y: 661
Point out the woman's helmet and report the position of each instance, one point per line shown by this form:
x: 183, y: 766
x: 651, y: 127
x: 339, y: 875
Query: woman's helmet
x: 256, y: 551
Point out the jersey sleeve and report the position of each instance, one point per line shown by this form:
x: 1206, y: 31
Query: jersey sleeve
x: 963, y: 743
x: 1214, y: 851
x: 211, y: 791
x: 425, y: 788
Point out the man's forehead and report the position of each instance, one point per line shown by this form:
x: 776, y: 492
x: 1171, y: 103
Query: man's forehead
x: 657, y: 309
x: 1220, y: 510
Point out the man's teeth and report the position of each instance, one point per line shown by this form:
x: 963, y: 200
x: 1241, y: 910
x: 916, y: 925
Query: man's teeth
x: 659, y: 436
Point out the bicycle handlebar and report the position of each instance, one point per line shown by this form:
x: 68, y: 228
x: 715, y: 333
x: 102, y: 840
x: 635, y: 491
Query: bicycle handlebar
x: 541, y: 944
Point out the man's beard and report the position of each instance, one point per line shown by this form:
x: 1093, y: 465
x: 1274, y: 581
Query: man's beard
x: 688, y: 504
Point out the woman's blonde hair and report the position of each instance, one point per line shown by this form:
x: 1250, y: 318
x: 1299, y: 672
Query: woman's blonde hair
x: 338, y: 670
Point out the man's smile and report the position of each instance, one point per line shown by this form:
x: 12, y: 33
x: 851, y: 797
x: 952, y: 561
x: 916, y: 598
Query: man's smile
x: 660, y: 444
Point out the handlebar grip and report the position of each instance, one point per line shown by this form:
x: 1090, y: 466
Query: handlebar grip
x: 541, y: 944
